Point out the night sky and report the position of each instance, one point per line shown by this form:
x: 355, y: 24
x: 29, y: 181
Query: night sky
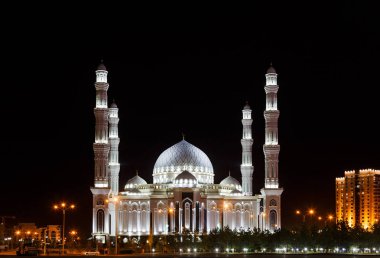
x: 186, y: 71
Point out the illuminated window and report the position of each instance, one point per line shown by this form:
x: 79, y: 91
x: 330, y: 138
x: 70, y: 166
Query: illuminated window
x: 273, y: 219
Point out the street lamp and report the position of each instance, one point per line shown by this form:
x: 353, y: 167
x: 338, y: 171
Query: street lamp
x: 63, y: 206
x: 309, y: 212
x: 73, y: 234
x: 44, y: 229
x: 18, y: 233
x: 262, y: 220
x: 330, y: 218
x: 171, y: 219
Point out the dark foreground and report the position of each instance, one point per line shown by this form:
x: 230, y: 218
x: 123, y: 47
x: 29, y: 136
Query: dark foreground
x: 212, y: 255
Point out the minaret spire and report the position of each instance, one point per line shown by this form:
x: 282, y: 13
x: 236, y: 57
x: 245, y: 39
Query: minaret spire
x: 271, y: 114
x: 271, y: 191
x: 101, y: 146
x: 114, y: 140
x: 246, y: 166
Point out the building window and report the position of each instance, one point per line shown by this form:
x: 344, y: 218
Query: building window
x: 100, y: 221
x: 53, y: 236
x: 273, y: 219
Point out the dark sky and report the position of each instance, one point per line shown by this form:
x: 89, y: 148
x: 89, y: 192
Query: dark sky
x: 185, y: 70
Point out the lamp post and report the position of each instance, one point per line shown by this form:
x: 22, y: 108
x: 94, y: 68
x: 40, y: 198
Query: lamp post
x: 329, y: 218
x: 18, y: 233
x: 262, y: 220
x: 309, y: 212
x: 44, y: 229
x: 171, y: 220
x: 73, y: 239
x: 150, y: 238
x: 45, y: 239
x: 116, y: 222
x: 63, y: 206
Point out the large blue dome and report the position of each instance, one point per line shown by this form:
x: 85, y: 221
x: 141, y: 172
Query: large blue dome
x: 180, y: 157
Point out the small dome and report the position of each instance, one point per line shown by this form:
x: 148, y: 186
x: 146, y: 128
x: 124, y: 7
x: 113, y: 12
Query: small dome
x: 101, y: 67
x: 230, y: 181
x: 134, y: 181
x: 185, y: 175
x: 185, y: 179
x: 113, y: 105
x: 271, y: 69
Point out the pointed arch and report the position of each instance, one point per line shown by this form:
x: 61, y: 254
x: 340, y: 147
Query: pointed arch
x: 100, y: 221
x: 273, y: 219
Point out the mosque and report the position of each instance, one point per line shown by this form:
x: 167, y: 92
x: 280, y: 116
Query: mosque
x: 183, y: 195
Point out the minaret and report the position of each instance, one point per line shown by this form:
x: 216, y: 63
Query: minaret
x: 271, y: 191
x: 114, y: 140
x: 246, y: 167
x: 101, y: 146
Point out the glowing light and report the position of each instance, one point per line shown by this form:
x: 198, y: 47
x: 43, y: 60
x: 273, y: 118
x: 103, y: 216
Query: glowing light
x: 101, y: 76
x: 101, y: 185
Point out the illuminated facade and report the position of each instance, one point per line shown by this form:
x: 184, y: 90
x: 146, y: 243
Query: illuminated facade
x: 28, y: 232
x: 183, y: 195
x: 271, y: 191
x: 358, y: 198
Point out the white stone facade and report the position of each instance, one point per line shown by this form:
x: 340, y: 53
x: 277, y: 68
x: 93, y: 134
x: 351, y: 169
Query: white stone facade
x: 183, y: 195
